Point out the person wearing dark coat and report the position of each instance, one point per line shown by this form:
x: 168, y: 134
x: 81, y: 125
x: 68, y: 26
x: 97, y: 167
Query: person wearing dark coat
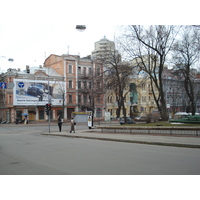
x: 59, y: 123
x: 72, y: 125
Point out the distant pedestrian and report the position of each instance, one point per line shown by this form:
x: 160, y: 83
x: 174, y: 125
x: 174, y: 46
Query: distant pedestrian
x: 73, y: 123
x: 59, y: 123
x: 26, y: 119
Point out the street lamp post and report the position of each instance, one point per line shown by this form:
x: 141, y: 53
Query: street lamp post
x: 49, y: 101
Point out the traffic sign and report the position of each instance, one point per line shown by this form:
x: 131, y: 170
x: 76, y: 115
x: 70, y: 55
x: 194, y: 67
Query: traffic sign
x: 10, y: 85
x: 21, y: 84
x: 2, y: 85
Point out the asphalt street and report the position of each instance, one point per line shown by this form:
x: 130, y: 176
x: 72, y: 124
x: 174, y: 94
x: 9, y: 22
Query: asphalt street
x: 24, y: 151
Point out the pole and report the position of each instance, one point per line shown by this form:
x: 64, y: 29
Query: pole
x: 49, y: 99
x: 48, y: 102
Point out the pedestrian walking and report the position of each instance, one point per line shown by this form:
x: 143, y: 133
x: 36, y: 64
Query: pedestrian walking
x: 59, y: 123
x: 26, y: 119
x: 73, y: 123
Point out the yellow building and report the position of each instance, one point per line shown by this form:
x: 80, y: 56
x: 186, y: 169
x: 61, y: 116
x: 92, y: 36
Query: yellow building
x: 139, y: 100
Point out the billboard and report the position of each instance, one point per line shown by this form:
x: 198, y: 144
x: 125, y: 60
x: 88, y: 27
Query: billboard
x: 37, y: 92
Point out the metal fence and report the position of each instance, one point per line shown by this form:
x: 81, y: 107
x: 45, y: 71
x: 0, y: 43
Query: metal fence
x: 159, y: 131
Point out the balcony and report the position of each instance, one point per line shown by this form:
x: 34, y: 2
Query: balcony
x: 84, y: 76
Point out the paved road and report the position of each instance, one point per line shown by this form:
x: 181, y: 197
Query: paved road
x: 31, y: 153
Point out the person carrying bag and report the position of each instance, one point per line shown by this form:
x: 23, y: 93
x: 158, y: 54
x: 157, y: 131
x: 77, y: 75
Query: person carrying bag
x: 59, y: 123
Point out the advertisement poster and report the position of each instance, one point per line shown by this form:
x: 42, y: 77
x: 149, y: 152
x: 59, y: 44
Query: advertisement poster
x: 107, y: 116
x: 37, y: 92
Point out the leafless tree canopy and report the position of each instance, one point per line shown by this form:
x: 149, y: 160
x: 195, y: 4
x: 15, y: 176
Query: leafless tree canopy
x: 149, y: 48
x: 185, y: 54
x: 117, y: 78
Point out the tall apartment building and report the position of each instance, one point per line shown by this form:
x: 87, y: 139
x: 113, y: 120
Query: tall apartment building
x: 104, y: 49
x: 83, y: 83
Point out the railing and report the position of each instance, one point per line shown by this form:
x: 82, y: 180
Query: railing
x: 152, y: 130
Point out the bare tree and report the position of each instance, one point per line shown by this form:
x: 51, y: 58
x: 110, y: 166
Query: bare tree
x: 117, y: 78
x: 62, y: 92
x: 117, y: 74
x: 149, y: 47
x: 185, y: 54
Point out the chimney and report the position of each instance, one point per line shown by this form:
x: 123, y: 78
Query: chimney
x: 27, y: 69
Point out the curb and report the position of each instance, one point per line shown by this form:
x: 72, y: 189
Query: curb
x: 129, y: 141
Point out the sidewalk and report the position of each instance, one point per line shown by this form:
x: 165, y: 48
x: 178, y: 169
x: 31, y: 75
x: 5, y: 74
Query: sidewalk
x: 176, y: 141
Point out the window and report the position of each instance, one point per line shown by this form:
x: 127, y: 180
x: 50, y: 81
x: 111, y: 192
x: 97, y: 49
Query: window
x: 79, y: 84
x: 70, y: 69
x: 98, y: 85
x: 98, y: 71
x: 109, y: 99
x: 90, y: 71
x: 149, y: 86
x: 70, y: 98
x: 79, y: 99
x: 70, y: 84
x: 90, y: 85
x: 98, y: 99
x: 143, y: 86
x: 41, y: 114
x: 19, y: 114
x: 85, y: 85
x: 84, y: 71
x: 143, y: 98
x: 79, y: 70
x: 85, y: 99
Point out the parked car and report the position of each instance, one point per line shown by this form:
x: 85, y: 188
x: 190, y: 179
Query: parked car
x: 128, y: 121
x: 141, y: 118
x: 35, y: 91
x: 42, y: 87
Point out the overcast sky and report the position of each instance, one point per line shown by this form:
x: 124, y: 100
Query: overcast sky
x: 28, y: 45
x: 31, y: 30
